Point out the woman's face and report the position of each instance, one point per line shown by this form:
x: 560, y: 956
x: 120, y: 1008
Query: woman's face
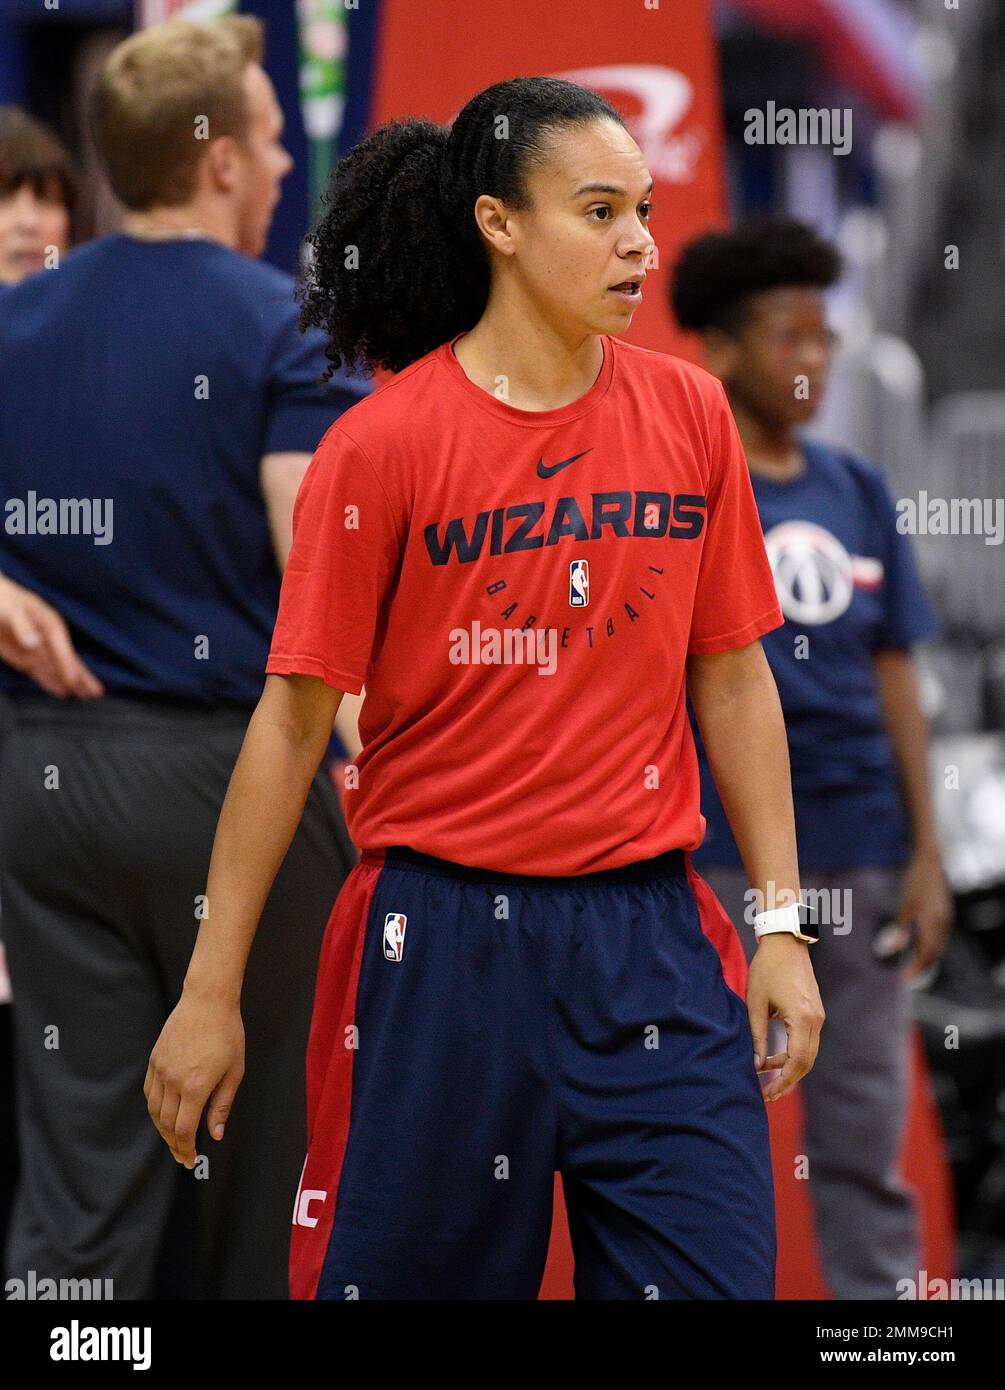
x: 32, y: 220
x: 587, y: 228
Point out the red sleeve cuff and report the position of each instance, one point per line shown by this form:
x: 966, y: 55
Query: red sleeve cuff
x: 313, y: 666
x: 740, y: 636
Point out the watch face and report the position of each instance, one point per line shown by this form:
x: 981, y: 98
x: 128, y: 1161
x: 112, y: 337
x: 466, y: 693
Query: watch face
x: 808, y: 924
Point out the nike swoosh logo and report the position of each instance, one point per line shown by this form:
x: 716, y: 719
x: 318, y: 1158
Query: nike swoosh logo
x: 544, y: 472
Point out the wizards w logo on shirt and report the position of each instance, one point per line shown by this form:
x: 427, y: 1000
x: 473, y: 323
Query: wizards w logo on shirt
x: 815, y: 576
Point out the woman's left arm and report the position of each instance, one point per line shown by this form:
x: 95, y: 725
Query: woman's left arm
x: 925, y: 893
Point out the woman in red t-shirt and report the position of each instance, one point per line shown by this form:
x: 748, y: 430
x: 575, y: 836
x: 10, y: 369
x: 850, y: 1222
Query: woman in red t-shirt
x: 524, y: 545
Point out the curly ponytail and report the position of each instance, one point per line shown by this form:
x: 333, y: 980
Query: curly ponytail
x: 399, y: 265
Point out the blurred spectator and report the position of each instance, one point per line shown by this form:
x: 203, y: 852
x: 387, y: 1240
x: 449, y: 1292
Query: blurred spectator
x: 868, y: 851
x: 37, y: 196
x: 157, y: 387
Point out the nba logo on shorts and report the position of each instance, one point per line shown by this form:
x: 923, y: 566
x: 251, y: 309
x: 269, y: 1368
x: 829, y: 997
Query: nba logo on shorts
x: 394, y: 935
x: 579, y: 583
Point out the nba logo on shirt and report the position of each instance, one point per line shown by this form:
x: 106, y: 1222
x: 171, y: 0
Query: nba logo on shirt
x: 579, y: 583
x: 394, y: 935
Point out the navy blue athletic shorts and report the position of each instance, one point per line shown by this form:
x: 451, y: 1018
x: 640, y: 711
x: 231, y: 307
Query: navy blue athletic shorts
x: 474, y: 1032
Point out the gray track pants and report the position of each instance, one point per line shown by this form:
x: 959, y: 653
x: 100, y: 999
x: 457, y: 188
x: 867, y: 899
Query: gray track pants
x: 855, y: 1098
x: 99, y: 879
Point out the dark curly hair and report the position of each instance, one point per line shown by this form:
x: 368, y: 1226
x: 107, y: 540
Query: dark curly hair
x: 717, y: 273
x: 398, y: 265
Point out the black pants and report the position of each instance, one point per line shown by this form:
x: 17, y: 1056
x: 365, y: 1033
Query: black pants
x: 108, y: 810
x: 8, y: 1130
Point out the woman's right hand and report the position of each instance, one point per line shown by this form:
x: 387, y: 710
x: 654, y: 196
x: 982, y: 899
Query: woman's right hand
x: 199, y: 1056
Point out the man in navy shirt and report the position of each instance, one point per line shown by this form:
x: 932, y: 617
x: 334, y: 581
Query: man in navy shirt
x: 158, y: 408
x: 868, y: 853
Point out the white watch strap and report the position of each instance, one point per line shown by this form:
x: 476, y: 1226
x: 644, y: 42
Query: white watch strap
x: 779, y: 919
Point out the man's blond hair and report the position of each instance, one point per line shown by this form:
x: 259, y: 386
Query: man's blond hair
x: 162, y: 95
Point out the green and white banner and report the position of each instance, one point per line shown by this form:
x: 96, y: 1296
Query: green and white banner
x: 324, y: 41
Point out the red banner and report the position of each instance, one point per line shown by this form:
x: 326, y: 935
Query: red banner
x: 654, y: 60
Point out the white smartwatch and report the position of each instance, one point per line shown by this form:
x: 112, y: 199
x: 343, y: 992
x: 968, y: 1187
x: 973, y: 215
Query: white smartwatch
x: 797, y: 918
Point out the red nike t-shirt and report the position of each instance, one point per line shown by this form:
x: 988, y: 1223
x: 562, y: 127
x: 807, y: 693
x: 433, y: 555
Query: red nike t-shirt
x: 518, y: 591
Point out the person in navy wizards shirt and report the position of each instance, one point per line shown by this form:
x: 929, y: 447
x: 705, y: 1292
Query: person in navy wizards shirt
x: 868, y: 853
x: 158, y: 409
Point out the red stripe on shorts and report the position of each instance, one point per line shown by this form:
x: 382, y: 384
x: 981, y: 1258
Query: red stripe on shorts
x: 718, y: 927
x: 330, y: 1055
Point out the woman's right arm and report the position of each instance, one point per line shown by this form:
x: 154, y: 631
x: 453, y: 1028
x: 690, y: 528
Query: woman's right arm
x: 200, y: 1052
